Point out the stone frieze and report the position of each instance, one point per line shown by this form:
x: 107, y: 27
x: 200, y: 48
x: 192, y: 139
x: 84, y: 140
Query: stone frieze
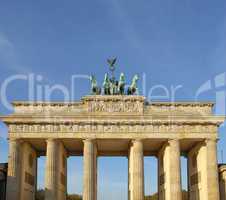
x: 111, y: 128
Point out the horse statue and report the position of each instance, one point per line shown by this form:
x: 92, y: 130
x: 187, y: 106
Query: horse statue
x: 113, y: 86
x: 106, y: 85
x: 121, y: 84
x: 132, y: 89
x: 95, y: 90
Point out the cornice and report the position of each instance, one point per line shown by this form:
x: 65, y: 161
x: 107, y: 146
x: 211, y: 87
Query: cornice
x: 184, y: 103
x: 44, y: 103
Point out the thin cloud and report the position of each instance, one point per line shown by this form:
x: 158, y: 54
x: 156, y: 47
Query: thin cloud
x: 4, y: 42
x: 8, y: 56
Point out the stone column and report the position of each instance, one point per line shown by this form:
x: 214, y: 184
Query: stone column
x: 51, y: 170
x: 128, y: 175
x: 175, y: 170
x: 90, y: 168
x: 222, y: 181
x: 203, y: 171
x: 14, y: 170
x: 136, y: 171
x: 170, y: 171
x: 212, y: 170
x: 28, y: 172
x: 161, y: 176
x: 62, y: 172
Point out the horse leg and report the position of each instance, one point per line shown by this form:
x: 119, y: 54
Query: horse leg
x: 128, y: 91
x: 122, y: 90
x: 98, y: 90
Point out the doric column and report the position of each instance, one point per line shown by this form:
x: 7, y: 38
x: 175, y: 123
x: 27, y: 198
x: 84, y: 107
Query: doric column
x: 175, y: 170
x: 128, y: 161
x: 51, y: 170
x: 161, y: 176
x: 136, y: 171
x: 222, y: 181
x: 14, y: 170
x: 90, y: 168
x: 28, y: 171
x: 169, y: 170
x: 203, y: 171
x: 62, y: 172
x: 212, y: 170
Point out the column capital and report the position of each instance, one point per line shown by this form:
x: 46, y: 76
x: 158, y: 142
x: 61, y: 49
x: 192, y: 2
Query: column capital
x: 173, y: 140
x: 207, y: 140
x: 137, y: 144
x: 137, y: 140
x: 91, y: 140
x: 15, y: 140
x: 51, y: 139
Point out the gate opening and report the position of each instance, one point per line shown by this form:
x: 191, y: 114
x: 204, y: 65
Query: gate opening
x: 75, y: 176
x: 150, y: 176
x: 112, y: 178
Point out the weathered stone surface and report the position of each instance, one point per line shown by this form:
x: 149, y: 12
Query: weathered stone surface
x: 222, y: 181
x: 136, y: 170
x: 55, y: 172
x: 170, y: 171
x: 115, y: 125
x: 90, y: 173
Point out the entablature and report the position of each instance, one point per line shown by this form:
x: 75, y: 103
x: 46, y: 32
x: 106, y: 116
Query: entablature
x: 113, y: 114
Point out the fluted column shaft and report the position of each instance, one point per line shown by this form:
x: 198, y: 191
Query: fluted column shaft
x: 89, y: 176
x: 14, y: 171
x: 51, y: 170
x: 136, y: 163
x: 212, y: 170
x: 175, y: 170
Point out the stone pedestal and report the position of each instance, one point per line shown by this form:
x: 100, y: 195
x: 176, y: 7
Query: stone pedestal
x: 169, y: 170
x: 13, y: 189
x: 136, y: 171
x: 90, y: 170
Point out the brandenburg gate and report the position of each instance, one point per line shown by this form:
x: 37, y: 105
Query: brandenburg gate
x: 112, y: 123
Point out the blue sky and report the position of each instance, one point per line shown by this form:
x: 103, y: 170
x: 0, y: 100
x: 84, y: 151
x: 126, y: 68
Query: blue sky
x: 172, y: 42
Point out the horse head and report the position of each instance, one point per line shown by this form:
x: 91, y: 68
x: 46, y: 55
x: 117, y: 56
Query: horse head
x: 134, y: 80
